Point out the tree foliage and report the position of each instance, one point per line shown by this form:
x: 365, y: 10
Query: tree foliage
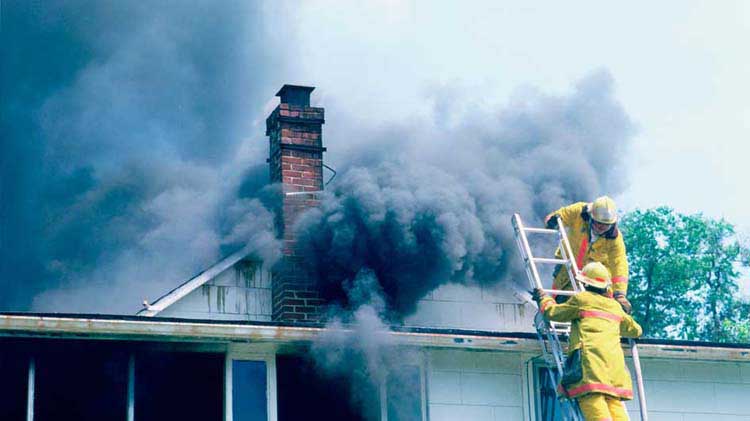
x: 683, y: 276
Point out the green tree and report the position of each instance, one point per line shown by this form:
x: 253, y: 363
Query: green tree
x: 683, y: 275
x: 659, y: 271
x: 714, y: 290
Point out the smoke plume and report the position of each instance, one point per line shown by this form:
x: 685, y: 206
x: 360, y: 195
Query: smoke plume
x: 133, y: 157
x: 132, y: 152
x: 428, y: 203
x: 357, y: 347
x: 432, y: 203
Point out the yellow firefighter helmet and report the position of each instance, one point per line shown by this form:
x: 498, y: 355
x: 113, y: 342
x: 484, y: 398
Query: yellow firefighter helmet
x: 596, y: 275
x: 603, y: 210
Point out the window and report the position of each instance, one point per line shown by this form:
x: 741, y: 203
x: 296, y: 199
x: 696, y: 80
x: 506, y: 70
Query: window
x: 548, y: 405
x: 179, y: 386
x: 80, y: 381
x: 545, y: 404
x: 305, y: 394
x: 249, y: 391
x: 14, y: 379
x: 403, y: 397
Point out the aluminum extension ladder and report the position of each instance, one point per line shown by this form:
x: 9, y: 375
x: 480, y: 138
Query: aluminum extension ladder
x: 549, y: 332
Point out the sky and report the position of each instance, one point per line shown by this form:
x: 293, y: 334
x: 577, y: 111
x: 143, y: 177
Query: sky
x: 133, y: 140
x: 680, y: 70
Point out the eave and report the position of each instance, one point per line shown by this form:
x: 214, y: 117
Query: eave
x: 135, y: 328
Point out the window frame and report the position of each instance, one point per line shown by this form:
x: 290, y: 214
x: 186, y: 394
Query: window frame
x: 534, y: 367
x: 238, y: 354
x: 421, y: 365
x: 531, y: 391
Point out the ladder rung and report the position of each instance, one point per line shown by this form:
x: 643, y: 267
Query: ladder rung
x: 558, y: 327
x: 541, y: 230
x: 561, y: 331
x: 550, y: 260
x: 560, y: 292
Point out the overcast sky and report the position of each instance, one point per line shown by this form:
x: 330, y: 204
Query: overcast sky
x: 119, y: 117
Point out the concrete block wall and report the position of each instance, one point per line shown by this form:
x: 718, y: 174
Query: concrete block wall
x: 477, y: 386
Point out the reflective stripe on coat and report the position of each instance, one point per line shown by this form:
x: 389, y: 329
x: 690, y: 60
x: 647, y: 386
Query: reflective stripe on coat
x: 610, y: 252
x: 598, y: 322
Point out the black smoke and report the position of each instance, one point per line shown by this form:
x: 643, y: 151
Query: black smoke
x: 131, y: 147
x: 430, y: 202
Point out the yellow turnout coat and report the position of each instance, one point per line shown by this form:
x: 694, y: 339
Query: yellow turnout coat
x: 598, y: 322
x: 608, y: 249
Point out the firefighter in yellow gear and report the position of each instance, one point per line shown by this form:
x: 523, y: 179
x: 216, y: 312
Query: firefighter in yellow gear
x: 599, y: 380
x: 594, y: 237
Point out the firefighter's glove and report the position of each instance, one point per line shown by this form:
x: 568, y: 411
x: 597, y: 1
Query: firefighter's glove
x: 624, y: 303
x: 537, y: 294
x: 552, y: 222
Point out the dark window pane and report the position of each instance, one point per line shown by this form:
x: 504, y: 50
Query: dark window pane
x: 14, y: 370
x: 249, y: 391
x: 179, y: 386
x: 80, y: 381
x: 304, y: 394
x: 404, y: 394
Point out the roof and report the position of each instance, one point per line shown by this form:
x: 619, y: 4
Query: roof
x: 102, y: 326
x: 191, y: 284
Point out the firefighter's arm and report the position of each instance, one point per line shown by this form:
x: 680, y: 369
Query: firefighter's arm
x: 565, y: 312
x: 619, y: 266
x: 629, y: 328
x: 566, y: 213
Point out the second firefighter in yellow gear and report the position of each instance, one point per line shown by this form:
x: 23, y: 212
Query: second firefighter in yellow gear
x: 597, y: 324
x: 594, y: 237
x: 600, y: 407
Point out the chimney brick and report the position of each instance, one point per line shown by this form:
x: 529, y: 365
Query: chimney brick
x: 296, y: 161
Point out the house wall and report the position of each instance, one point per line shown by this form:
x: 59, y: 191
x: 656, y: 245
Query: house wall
x: 493, y: 386
x: 478, y: 386
x: 242, y: 292
x: 474, y: 307
x: 684, y: 390
x: 459, y: 384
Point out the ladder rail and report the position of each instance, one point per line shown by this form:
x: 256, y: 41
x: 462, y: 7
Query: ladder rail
x: 526, y: 250
x: 548, y: 332
x: 567, y: 253
x: 639, y: 379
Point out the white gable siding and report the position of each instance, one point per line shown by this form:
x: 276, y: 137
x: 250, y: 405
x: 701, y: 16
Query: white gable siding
x: 474, y: 307
x: 478, y: 386
x: 242, y: 292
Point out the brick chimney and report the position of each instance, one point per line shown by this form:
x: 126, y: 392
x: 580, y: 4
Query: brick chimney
x: 295, y: 160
